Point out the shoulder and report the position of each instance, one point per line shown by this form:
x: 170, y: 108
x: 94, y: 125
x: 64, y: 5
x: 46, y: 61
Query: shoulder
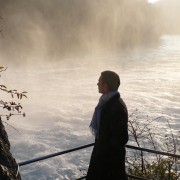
x: 117, y: 101
x: 116, y: 104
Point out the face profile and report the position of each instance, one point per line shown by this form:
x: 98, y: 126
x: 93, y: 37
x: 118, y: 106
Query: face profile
x: 102, y: 86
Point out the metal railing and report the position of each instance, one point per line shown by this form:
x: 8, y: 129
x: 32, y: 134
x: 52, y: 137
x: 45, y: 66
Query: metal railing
x: 92, y: 144
x: 54, y: 154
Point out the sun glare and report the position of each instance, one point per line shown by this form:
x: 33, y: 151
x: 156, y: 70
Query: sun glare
x: 152, y: 1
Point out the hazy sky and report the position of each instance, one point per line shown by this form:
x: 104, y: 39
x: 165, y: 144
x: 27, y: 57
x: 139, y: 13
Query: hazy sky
x: 153, y: 1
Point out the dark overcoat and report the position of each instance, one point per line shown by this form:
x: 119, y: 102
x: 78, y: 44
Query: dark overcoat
x: 108, y: 156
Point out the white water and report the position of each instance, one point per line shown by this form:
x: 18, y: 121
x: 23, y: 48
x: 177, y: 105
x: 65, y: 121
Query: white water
x: 62, y: 97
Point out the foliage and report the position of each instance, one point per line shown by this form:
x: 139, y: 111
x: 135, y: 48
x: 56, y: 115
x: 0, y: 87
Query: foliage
x: 147, y: 165
x: 11, y: 108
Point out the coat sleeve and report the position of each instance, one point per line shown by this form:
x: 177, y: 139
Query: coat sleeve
x: 119, y: 128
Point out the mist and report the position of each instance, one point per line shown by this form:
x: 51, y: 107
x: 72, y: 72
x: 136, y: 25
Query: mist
x: 169, y: 15
x: 42, y: 29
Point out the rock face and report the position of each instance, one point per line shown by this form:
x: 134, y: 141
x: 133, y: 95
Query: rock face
x: 9, y: 169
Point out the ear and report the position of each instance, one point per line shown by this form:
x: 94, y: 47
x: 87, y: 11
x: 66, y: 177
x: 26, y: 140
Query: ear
x: 106, y: 87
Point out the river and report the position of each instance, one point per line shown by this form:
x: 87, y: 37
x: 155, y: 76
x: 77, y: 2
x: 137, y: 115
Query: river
x: 62, y: 95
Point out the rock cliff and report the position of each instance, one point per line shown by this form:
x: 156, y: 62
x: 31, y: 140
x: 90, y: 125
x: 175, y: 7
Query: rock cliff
x: 9, y: 169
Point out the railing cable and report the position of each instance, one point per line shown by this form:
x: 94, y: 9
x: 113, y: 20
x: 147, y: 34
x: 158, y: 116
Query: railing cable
x: 92, y: 144
x: 89, y: 145
x: 153, y: 151
x: 54, y: 154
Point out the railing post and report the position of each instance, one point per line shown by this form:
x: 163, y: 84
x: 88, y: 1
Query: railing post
x: 142, y: 161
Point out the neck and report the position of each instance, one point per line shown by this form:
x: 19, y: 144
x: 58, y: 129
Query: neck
x: 109, y: 93
x: 106, y: 92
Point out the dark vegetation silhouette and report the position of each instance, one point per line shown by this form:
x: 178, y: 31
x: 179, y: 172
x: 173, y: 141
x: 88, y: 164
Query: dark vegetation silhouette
x: 8, y: 167
x: 148, y: 165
